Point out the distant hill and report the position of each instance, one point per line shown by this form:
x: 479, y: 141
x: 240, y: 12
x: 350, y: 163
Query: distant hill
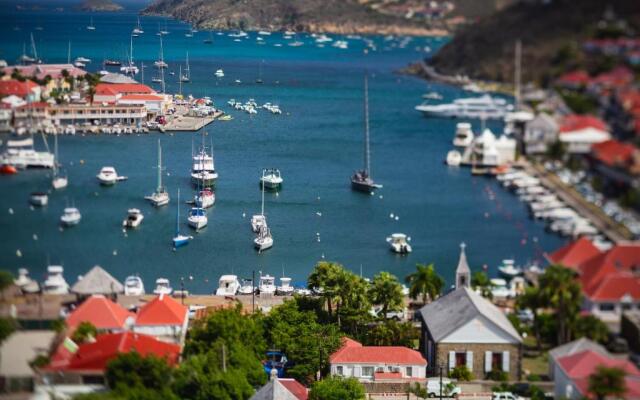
x: 485, y: 50
x: 337, y: 16
x: 99, y: 5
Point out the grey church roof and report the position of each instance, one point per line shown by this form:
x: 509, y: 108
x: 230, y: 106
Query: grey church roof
x: 97, y: 281
x: 453, y: 310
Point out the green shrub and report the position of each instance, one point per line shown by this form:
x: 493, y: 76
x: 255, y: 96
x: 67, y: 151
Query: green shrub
x: 497, y: 375
x: 461, y: 373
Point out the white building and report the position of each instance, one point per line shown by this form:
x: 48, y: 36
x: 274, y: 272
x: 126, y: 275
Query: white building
x: 377, y: 363
x: 164, y: 318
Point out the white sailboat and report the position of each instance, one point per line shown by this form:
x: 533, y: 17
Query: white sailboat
x: 160, y: 63
x: 138, y: 29
x: 264, y: 239
x: 160, y: 197
x: 186, y: 77
x: 259, y: 220
x: 130, y: 68
x: 71, y: 216
x: 59, y: 181
x: 91, y: 27
x: 361, y: 180
x: 179, y: 239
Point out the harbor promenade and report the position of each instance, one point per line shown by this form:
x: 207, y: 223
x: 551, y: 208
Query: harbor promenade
x: 190, y: 123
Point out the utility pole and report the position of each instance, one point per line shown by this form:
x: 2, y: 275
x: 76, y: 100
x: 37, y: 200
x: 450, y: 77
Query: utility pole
x: 253, y: 292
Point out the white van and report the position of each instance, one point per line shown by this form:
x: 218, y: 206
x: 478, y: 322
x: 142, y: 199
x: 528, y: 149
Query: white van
x: 449, y: 388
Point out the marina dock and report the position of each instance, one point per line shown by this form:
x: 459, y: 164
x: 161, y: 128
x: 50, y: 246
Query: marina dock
x: 189, y: 123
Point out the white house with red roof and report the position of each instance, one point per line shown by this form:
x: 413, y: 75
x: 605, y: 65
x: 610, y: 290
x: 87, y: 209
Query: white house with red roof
x: 580, y: 132
x: 87, y: 362
x: 164, y: 318
x: 102, y: 313
x: 573, y: 254
x: 377, y: 363
x: 572, y: 372
x: 111, y: 92
x: 26, y: 90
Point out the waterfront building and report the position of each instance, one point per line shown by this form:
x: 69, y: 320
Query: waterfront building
x: 155, y: 104
x: 104, y: 314
x: 572, y: 372
x: 463, y: 328
x: 164, y: 318
x: 567, y: 349
x: 110, y: 92
x: 539, y: 133
x: 59, y: 74
x: 573, y: 254
x: 97, y: 281
x: 377, y: 363
x: 580, y: 132
x: 27, y: 90
x: 488, y: 151
x: 6, y: 115
x: 97, y: 114
x: 31, y: 114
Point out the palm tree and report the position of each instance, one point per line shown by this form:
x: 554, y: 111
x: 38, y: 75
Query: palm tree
x: 560, y: 290
x: 481, y: 281
x: 425, y: 282
x: 386, y: 291
x: 532, y: 299
x: 325, y: 278
x: 606, y: 382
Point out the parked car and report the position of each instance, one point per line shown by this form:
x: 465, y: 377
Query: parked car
x: 376, y: 311
x: 275, y: 360
x: 505, y: 396
x: 449, y: 388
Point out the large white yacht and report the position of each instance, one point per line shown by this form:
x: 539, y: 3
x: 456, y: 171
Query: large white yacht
x: 133, y: 286
x: 263, y: 240
x: 464, y: 135
x: 163, y: 286
x: 203, y: 172
x: 107, y: 176
x: 55, y: 282
x: 485, y: 107
x: 267, y: 284
x: 21, y: 154
x: 228, y: 285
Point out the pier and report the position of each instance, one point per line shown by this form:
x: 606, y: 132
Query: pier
x: 190, y: 123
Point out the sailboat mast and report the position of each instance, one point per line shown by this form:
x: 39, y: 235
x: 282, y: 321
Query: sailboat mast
x: 33, y: 48
x: 159, y: 166
x: 367, y: 164
x: 180, y: 78
x: 69, y: 53
x: 161, y: 65
x: 55, y: 154
x: 178, y: 214
x: 142, y: 71
x: 518, y: 72
x: 262, y: 182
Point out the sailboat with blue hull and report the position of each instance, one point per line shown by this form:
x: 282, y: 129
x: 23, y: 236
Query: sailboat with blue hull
x: 179, y: 239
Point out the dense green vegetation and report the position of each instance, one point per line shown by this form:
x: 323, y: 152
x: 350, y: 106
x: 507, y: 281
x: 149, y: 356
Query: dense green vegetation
x: 337, y: 388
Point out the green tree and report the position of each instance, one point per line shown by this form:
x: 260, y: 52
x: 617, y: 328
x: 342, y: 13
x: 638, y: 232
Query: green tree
x: 325, y: 277
x: 556, y: 150
x: 6, y: 280
x: 532, y: 299
x: 425, y: 282
x: 147, y: 376
x: 561, y: 291
x: 386, y: 291
x: 84, y: 332
x: 392, y: 333
x: 306, y: 342
x: 337, y: 388
x: 7, y: 327
x: 352, y: 302
x: 480, y: 281
x: 593, y: 328
x: 606, y: 382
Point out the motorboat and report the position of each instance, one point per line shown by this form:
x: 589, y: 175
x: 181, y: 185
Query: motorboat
x: 285, y: 288
x: 263, y: 240
x: 22, y: 154
x: 39, y: 199
x: 246, y: 287
x: 258, y: 221
x: 107, y: 176
x: 179, y: 239
x: 361, y: 180
x: 267, y: 284
x: 55, y: 282
x: 509, y: 270
x: 219, y: 73
x: 133, y: 286
x: 134, y: 218
x: 432, y: 96
x: 205, y: 198
x: 160, y: 197
x: 228, y: 285
x: 500, y: 289
x: 399, y: 243
x: 484, y: 107
x: 454, y: 158
x: 71, y: 216
x: 197, y: 218
x: 7, y: 169
x: 271, y: 179
x: 83, y: 60
x: 25, y: 283
x: 163, y: 286
x: 112, y: 63
x: 464, y: 135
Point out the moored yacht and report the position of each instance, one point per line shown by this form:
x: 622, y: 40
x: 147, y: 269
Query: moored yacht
x: 263, y: 240
x: 205, y: 198
x: 55, y: 282
x: 509, y: 270
x: 107, y: 176
x: 219, y: 73
x: 133, y: 286
x: 39, y: 199
x: 25, y: 283
x: 361, y: 180
x: 203, y: 172
x: 179, y: 239
x: 472, y: 107
x: 464, y: 135
x: 271, y: 179
x: 258, y: 221
x: 197, y: 218
x: 22, y: 154
x: 246, y: 287
x: 267, y: 284
x: 454, y: 158
x: 228, y: 285
x: 399, y: 243
x: 59, y: 181
x: 285, y: 288
x: 134, y: 218
x: 71, y: 216
x: 160, y: 197
x: 163, y: 286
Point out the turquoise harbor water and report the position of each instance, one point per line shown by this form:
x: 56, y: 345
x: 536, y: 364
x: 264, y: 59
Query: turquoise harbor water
x: 316, y: 143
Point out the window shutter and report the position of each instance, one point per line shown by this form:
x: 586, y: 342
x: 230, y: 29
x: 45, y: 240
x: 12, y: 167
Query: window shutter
x: 470, y: 360
x: 505, y: 361
x: 488, y: 356
x: 452, y: 360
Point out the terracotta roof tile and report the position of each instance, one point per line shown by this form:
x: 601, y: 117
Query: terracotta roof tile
x: 613, y: 153
x: 575, y: 122
x: 295, y: 388
x: 163, y: 310
x: 101, y: 312
x: 351, y: 353
x: 574, y: 254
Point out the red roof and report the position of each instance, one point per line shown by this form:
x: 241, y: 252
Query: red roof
x: 575, y: 122
x: 381, y: 376
x: 16, y: 88
x: 143, y: 97
x: 122, y: 88
x: 163, y: 310
x: 34, y: 105
x: 615, y: 286
x: 102, y: 313
x: 621, y: 257
x: 576, y: 78
x: 574, y: 254
x: 295, y: 388
x: 618, y: 77
x: 579, y: 366
x: 40, y: 71
x: 613, y: 152
x: 95, y: 356
x: 354, y: 352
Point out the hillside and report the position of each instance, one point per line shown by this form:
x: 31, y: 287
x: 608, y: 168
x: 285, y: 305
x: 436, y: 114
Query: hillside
x: 99, y: 5
x: 336, y: 16
x: 485, y: 50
